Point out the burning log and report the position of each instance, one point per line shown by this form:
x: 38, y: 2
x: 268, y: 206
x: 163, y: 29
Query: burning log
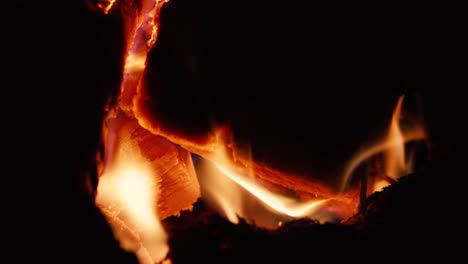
x: 171, y: 165
x: 167, y: 109
x: 179, y: 187
x: 397, y: 223
x: 86, y: 59
x: 144, y: 178
x: 262, y: 130
x: 175, y: 113
x: 200, y: 124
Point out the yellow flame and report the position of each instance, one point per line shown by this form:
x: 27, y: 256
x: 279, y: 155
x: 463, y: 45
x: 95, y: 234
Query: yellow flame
x: 106, y: 5
x: 127, y: 194
x: 225, y: 181
x: 281, y: 204
x: 135, y: 63
x: 395, y: 154
x: 379, y: 185
x: 220, y: 192
x: 127, y: 191
x: 393, y: 146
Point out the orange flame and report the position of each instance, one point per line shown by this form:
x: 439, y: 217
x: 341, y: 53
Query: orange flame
x: 106, y: 5
x: 393, y: 146
x: 127, y: 194
x: 395, y: 154
x: 128, y: 189
x: 224, y: 191
x: 281, y: 204
x: 227, y: 184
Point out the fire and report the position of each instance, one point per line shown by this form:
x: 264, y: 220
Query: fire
x: 276, y: 202
x: 229, y: 186
x: 130, y: 186
x: 395, y: 155
x: 393, y: 146
x: 226, y: 181
x: 127, y: 194
x: 106, y: 5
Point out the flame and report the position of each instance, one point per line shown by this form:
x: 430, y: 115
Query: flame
x: 105, y: 5
x: 135, y: 63
x: 281, y: 204
x: 228, y: 199
x: 128, y: 188
x: 393, y: 146
x: 127, y: 194
x: 226, y: 183
x: 395, y: 154
x: 219, y: 191
x: 379, y: 185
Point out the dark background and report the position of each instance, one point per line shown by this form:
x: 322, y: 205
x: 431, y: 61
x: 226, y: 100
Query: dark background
x: 305, y: 86
x: 313, y: 79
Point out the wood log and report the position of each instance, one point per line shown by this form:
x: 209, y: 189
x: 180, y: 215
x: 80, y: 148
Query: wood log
x: 199, y: 78
x: 302, y: 124
x: 178, y: 180
x: 144, y: 178
x: 171, y: 166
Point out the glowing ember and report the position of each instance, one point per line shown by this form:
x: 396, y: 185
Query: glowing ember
x: 142, y: 37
